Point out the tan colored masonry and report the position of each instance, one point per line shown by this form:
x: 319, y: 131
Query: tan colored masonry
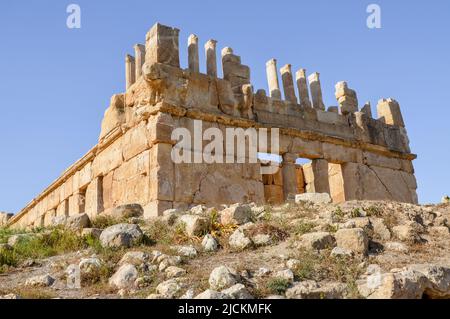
x: 353, y: 155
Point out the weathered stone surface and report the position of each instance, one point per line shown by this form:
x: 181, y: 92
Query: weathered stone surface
x: 316, y: 198
x: 209, y: 243
x: 341, y: 252
x: 89, y: 265
x: 397, y: 247
x: 135, y: 258
x: 354, y: 156
x: 169, y: 288
x: 78, y: 222
x: 121, y: 235
x: 40, y: 281
x: 211, y: 294
x: 4, y: 217
x: 236, y: 214
x: 194, y: 225
x: 222, y: 277
x: 412, y: 282
x: 405, y: 232
x: 312, y: 290
x: 127, y: 211
x: 124, y: 277
x: 354, y: 239
x: 167, y: 261
x: 317, y: 241
x: 174, y: 271
x: 237, y: 291
x: 186, y: 251
x: 239, y: 241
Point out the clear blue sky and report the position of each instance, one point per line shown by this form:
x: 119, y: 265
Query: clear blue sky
x: 55, y: 82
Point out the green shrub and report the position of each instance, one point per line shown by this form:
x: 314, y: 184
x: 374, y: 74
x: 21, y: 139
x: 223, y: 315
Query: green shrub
x: 303, y: 228
x: 277, y: 285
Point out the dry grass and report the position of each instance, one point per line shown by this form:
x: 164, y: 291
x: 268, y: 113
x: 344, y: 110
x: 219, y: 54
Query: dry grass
x: 265, y: 228
x: 321, y: 266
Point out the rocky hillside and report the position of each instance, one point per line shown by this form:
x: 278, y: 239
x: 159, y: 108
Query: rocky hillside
x: 307, y: 249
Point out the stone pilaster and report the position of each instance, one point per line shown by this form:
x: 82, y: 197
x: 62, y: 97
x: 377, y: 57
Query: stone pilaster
x: 272, y: 79
x: 211, y: 59
x: 288, y: 84
x: 316, y: 91
x: 94, y: 197
x: 289, y: 173
x: 139, y: 53
x: 302, y: 85
x: 130, y: 73
x: 389, y: 112
x: 316, y: 176
x: 193, y: 59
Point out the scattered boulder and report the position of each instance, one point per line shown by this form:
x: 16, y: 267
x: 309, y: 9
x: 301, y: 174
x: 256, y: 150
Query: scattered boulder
x: 194, y: 225
x: 310, y: 289
x: 124, y: 277
x: 412, y: 282
x: 316, y: 198
x: 121, y: 235
x: 354, y: 239
x: 407, y: 232
x: 40, y: 281
x: 209, y: 243
x: 262, y: 271
x: 211, y: 294
x: 189, y: 294
x: 4, y: 217
x: 78, y: 222
x: 168, y: 288
x: 341, y: 252
x: 237, y: 214
x: 365, y: 224
x: 127, y: 211
x: 173, y: 272
x: 239, y: 241
x: 135, y: 258
x: 89, y: 265
x: 186, y: 251
x: 262, y: 239
x: 170, y: 216
x: 30, y: 263
x: 198, y: 210
x: 222, y: 277
x: 237, y: 291
x: 168, y: 261
x: 380, y: 229
x: 142, y: 282
x: 317, y: 241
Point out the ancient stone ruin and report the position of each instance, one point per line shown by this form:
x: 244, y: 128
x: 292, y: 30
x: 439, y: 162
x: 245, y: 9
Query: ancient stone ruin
x: 352, y: 154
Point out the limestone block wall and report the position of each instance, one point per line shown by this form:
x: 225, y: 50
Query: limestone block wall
x: 352, y: 154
